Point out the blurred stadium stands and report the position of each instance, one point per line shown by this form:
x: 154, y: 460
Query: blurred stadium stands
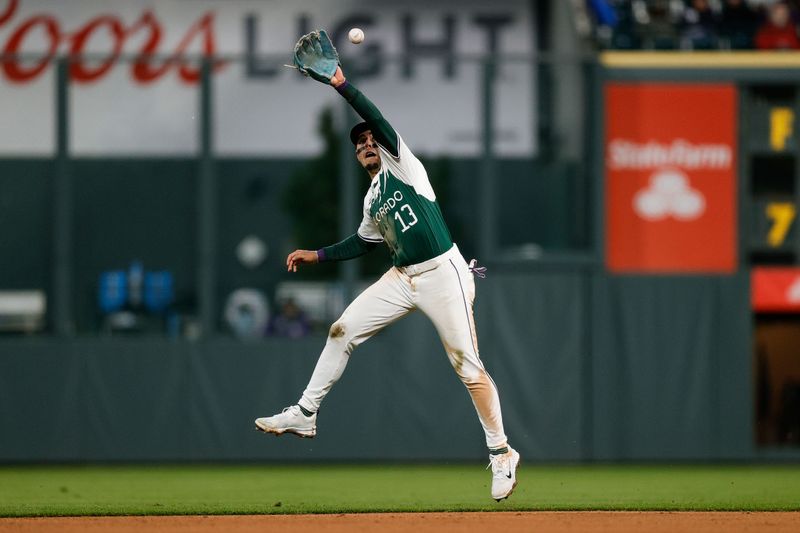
x: 692, y: 24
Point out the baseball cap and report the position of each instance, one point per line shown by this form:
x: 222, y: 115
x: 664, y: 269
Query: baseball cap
x: 357, y: 130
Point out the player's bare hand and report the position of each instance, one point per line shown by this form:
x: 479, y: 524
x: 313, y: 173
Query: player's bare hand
x: 338, y: 77
x: 300, y: 256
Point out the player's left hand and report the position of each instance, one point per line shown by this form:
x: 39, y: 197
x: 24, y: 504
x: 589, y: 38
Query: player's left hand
x: 300, y: 256
x: 315, y: 56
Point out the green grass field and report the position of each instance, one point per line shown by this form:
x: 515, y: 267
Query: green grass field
x: 140, y: 490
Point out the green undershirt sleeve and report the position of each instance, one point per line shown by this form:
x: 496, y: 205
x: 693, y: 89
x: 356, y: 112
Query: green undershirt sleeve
x: 382, y: 131
x: 350, y: 248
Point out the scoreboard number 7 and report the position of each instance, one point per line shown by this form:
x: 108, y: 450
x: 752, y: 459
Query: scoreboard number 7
x: 781, y: 214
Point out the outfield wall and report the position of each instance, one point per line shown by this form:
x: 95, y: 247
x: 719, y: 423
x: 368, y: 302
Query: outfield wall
x: 584, y: 373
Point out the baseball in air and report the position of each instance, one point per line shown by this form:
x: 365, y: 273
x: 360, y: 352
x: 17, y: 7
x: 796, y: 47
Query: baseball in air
x: 356, y: 35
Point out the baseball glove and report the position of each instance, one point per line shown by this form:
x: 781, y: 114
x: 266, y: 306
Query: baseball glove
x: 315, y: 56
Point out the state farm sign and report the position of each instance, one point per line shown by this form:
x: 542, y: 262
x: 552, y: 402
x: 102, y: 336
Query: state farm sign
x: 135, y: 75
x: 670, y: 178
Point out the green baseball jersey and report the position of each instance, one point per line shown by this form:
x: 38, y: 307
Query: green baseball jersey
x: 400, y: 209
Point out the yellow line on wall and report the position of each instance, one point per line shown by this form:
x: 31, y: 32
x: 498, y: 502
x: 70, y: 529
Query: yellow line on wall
x: 700, y: 59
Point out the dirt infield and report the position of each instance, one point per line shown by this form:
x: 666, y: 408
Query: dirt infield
x: 541, y: 522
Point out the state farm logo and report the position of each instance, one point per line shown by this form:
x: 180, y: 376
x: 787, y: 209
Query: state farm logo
x: 147, y: 29
x: 669, y: 194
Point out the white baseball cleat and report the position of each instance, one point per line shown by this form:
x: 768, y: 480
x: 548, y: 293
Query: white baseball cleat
x: 290, y: 420
x: 504, y: 473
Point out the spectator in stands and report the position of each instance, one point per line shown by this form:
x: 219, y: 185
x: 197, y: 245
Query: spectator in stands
x: 738, y: 23
x: 290, y: 322
x: 778, y: 32
x: 656, y: 24
x: 699, y: 23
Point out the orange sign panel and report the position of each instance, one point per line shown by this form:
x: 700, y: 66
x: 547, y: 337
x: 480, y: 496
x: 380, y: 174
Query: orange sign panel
x: 775, y: 289
x: 670, y: 159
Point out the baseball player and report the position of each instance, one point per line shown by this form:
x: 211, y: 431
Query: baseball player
x: 429, y: 273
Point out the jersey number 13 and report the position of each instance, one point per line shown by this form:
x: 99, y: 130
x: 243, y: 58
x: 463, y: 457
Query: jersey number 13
x: 411, y: 215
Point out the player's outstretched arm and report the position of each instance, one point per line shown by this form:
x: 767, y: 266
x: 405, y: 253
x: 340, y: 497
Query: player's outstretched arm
x: 350, y: 248
x: 382, y: 131
x: 316, y: 57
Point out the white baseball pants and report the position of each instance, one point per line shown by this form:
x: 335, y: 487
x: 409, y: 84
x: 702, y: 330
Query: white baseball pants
x: 444, y: 289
